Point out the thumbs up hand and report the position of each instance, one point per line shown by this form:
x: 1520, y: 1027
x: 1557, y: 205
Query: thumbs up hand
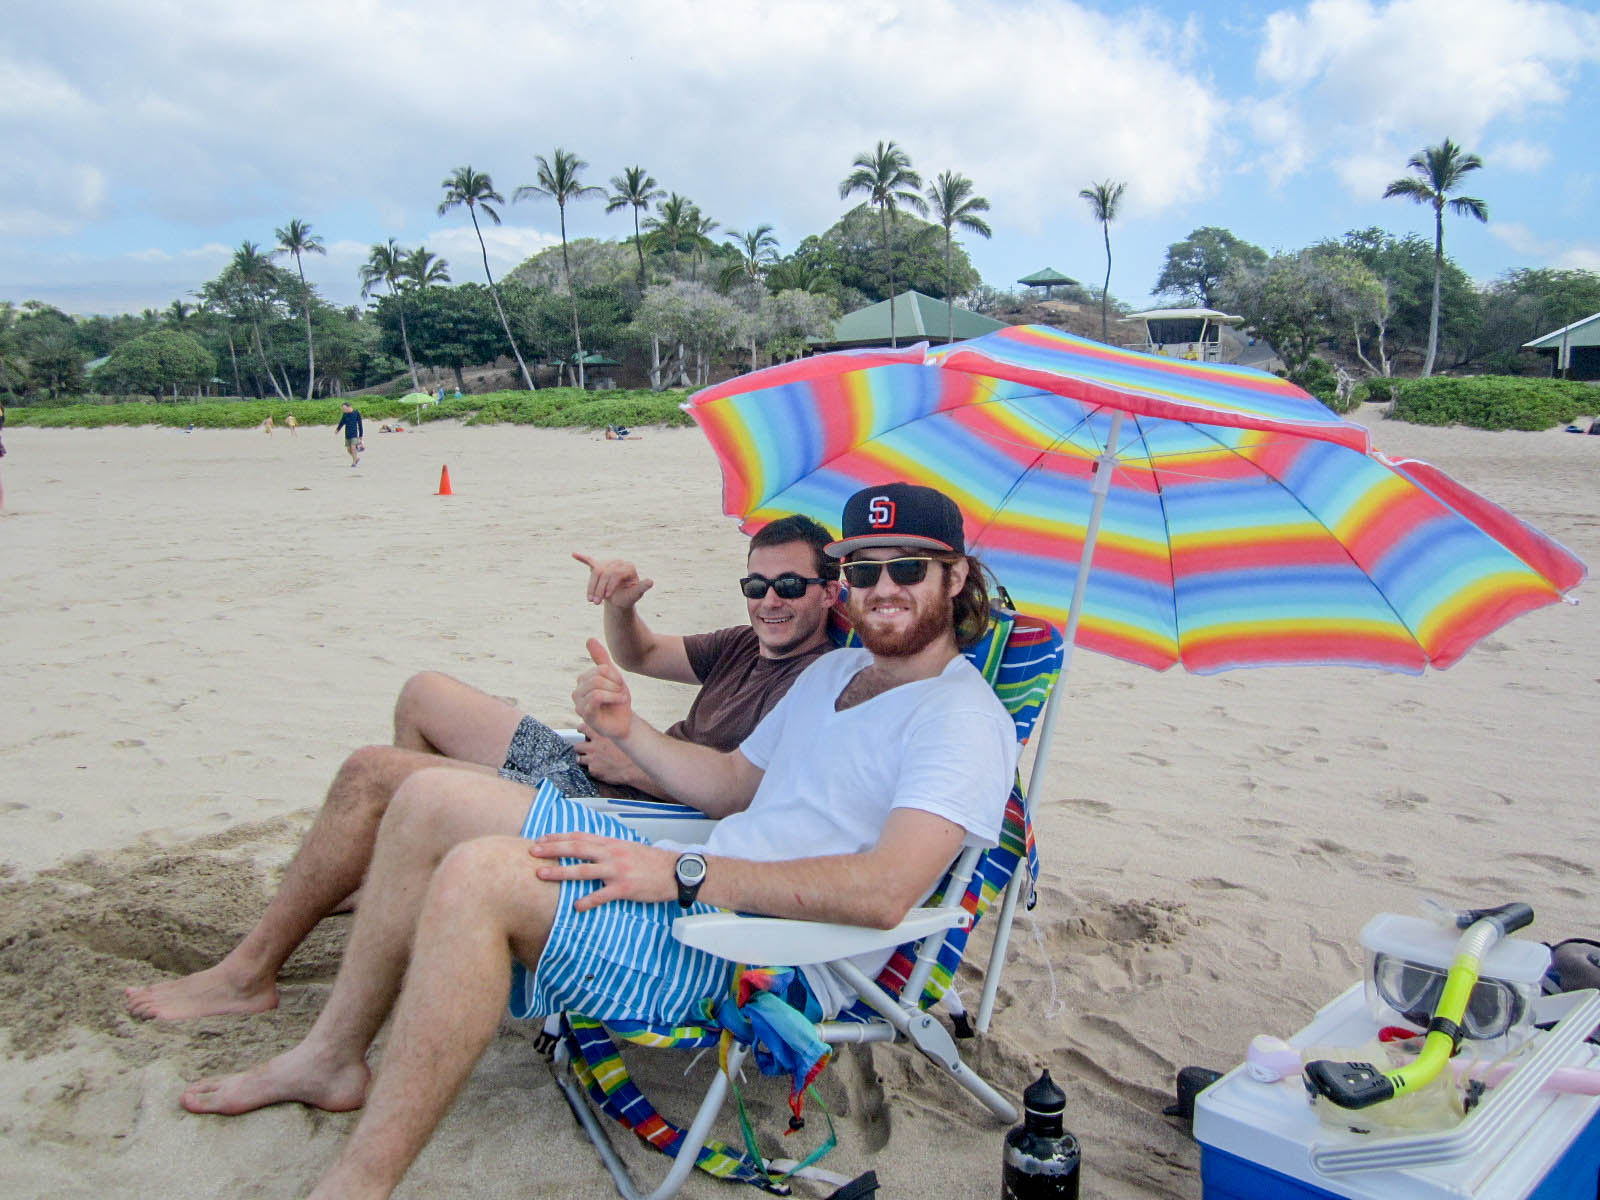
x: 602, y: 697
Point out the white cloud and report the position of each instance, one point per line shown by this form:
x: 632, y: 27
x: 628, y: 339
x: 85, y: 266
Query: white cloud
x: 1518, y: 155
x: 1546, y: 251
x: 1399, y: 75
x: 200, y: 121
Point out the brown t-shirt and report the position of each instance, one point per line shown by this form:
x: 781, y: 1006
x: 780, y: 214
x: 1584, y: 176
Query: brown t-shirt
x: 737, y: 688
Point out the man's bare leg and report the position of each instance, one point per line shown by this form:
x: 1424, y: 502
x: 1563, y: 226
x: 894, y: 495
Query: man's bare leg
x: 484, y: 906
x: 441, y: 715
x: 433, y: 812
x: 326, y: 869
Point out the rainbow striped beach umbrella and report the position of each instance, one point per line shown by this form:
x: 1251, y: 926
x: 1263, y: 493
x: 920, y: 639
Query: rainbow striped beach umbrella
x: 1231, y: 519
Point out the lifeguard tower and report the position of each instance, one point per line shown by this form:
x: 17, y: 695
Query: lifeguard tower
x: 1192, y: 333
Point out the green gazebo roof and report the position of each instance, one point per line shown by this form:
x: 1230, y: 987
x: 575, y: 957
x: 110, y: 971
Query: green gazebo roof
x: 1049, y: 277
x: 916, y: 317
x: 1580, y: 333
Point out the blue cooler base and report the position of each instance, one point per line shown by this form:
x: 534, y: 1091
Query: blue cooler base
x: 1223, y: 1176
x: 1255, y: 1139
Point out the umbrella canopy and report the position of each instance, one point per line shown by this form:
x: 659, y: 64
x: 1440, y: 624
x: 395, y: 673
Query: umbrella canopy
x: 1231, y: 519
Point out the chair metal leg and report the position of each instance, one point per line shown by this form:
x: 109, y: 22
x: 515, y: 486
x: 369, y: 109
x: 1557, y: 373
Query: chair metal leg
x: 1002, y: 939
x: 925, y: 1032
x: 694, y: 1137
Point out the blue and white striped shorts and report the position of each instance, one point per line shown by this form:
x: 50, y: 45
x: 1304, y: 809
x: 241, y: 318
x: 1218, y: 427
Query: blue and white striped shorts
x: 617, y: 962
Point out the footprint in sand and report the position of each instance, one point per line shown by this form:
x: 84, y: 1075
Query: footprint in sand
x: 1400, y: 800
x: 127, y: 743
x: 1215, y: 883
x: 1550, y: 862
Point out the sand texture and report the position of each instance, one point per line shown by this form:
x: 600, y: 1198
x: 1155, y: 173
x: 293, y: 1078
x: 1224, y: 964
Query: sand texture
x: 198, y: 627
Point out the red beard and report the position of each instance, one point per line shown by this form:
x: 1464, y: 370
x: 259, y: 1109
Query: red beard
x: 928, y: 624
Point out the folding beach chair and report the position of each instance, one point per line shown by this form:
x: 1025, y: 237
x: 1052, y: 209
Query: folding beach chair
x: 1021, y: 658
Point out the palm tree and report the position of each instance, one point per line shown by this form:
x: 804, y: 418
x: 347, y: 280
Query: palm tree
x: 558, y: 179
x: 253, y: 271
x: 757, y: 251
x: 178, y: 313
x: 954, y: 204
x: 476, y: 190
x: 1438, y: 170
x: 387, y: 263
x: 634, y: 189
x: 1103, y: 200
x: 422, y: 268
x: 296, y: 238
x: 885, y: 175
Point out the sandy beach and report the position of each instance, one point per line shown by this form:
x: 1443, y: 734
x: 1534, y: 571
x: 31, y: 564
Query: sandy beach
x: 198, y: 627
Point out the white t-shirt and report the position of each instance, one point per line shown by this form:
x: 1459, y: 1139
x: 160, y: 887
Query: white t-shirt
x: 944, y: 745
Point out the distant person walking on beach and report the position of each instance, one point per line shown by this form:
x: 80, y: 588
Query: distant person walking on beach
x: 2, y: 451
x: 292, y: 424
x: 350, y: 424
x: 266, y: 426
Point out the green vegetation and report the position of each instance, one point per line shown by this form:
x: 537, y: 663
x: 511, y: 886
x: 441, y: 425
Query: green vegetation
x: 1492, y: 401
x: 671, y: 304
x: 1104, y: 198
x: 1435, y: 173
x: 549, y: 408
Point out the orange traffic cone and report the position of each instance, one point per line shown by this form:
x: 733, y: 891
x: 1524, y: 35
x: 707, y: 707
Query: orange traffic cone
x: 444, y: 482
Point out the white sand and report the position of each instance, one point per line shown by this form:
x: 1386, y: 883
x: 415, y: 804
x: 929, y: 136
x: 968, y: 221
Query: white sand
x: 199, y: 626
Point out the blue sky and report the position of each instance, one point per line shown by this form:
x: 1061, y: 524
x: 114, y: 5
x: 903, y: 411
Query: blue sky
x: 149, y: 137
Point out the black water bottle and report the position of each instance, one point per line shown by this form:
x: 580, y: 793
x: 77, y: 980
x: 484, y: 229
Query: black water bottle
x: 1041, y: 1158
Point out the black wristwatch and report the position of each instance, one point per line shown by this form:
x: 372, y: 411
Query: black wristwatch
x: 690, y: 872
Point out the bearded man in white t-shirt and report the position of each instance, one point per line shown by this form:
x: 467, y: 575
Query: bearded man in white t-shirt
x: 846, y: 804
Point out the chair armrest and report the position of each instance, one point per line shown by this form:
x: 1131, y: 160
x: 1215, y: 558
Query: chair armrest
x: 774, y: 940
x: 570, y: 736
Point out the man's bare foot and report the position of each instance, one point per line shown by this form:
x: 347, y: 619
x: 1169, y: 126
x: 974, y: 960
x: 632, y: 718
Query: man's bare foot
x: 207, y: 993
x: 296, y: 1075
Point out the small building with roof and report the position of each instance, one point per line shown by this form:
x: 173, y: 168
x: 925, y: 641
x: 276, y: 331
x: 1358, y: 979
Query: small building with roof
x: 1047, y: 279
x: 917, y: 318
x: 1194, y: 333
x: 1573, y: 350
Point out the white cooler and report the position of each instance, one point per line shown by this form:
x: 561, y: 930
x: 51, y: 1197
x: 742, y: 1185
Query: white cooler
x: 1261, y: 1141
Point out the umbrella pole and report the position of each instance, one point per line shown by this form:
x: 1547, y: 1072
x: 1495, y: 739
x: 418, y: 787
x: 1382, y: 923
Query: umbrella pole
x: 1104, y: 466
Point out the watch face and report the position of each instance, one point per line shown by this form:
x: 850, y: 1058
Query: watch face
x: 691, y: 869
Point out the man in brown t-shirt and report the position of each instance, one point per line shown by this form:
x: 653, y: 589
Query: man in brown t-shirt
x: 442, y: 723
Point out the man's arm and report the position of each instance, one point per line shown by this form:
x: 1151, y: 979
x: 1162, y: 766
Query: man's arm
x: 715, y: 782
x: 635, y: 647
x: 875, y: 888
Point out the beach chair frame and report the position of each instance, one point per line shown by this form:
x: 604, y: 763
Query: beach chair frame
x: 1021, y: 658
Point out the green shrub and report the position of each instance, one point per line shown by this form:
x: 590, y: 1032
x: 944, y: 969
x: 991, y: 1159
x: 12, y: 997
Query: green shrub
x: 549, y: 408
x: 1491, y: 401
x: 1379, y: 389
x: 1318, y: 378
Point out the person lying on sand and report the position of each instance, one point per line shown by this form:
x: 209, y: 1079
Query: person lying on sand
x: 442, y: 723
x: 847, y: 804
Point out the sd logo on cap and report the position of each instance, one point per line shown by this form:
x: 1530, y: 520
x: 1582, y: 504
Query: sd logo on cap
x: 900, y: 514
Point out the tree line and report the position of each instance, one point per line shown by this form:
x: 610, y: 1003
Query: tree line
x: 696, y: 303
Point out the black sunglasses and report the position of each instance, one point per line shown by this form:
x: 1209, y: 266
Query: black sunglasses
x: 866, y: 572
x: 789, y: 586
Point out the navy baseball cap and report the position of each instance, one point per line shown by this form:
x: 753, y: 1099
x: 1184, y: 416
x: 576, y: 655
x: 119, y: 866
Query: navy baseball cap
x: 900, y: 514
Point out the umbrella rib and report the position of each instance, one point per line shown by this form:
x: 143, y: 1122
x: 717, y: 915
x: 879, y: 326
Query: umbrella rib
x: 1172, y: 567
x: 1332, y: 537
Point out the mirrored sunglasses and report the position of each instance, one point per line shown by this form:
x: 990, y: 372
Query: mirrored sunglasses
x: 866, y: 572
x: 789, y: 586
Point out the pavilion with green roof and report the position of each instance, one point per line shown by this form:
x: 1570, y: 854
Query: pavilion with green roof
x: 917, y: 318
x: 1047, y: 279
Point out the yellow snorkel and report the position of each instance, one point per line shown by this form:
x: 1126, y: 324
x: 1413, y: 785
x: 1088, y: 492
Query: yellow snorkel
x: 1360, y: 1085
